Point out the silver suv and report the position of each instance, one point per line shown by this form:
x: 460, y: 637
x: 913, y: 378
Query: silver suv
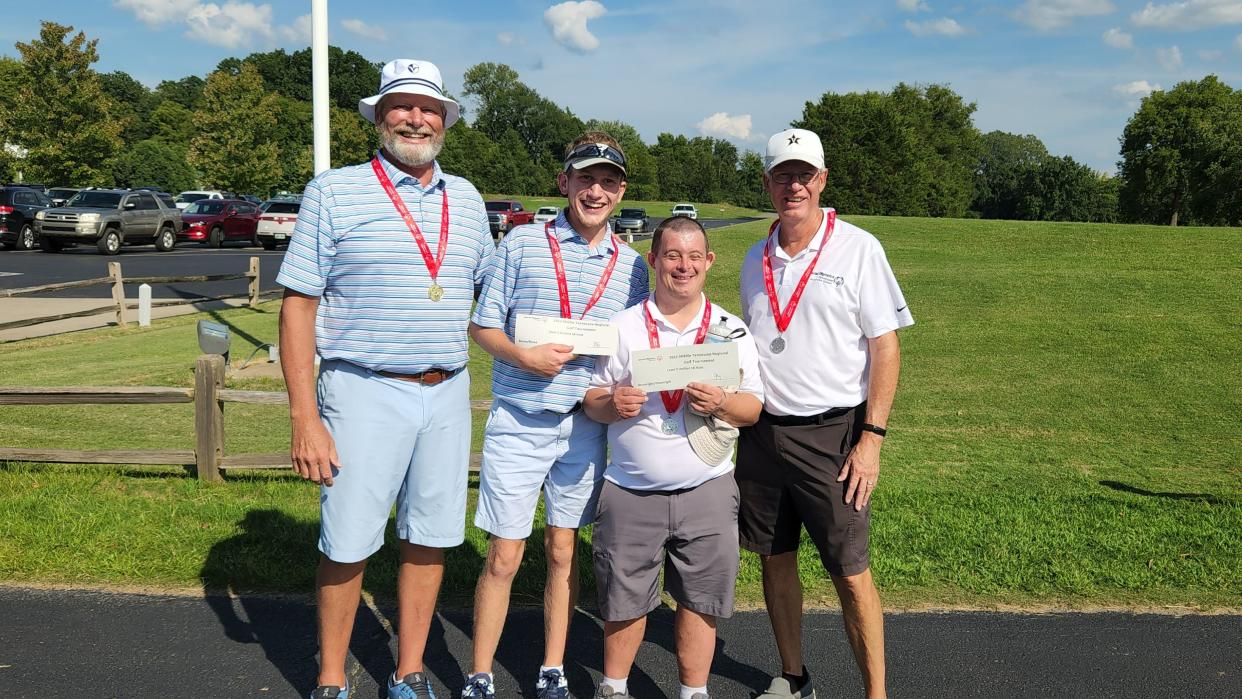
x: 110, y: 218
x: 631, y: 221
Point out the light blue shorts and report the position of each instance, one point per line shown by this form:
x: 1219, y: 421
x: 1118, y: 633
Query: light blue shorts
x: 524, y: 453
x: 399, y: 442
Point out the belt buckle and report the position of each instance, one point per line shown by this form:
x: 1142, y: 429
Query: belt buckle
x: 432, y: 377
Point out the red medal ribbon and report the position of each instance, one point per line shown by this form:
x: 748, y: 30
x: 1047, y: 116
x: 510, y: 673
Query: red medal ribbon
x: 433, y: 264
x: 562, y: 285
x: 782, y: 319
x: 672, y: 399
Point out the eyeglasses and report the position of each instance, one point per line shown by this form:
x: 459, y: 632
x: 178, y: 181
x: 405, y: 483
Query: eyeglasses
x: 803, y: 178
x: 595, y: 150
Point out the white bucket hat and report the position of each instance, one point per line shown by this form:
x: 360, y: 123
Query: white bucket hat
x: 408, y: 76
x: 794, y: 144
x: 710, y: 437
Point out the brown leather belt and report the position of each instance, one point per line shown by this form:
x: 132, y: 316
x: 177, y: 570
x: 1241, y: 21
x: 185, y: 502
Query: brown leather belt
x: 431, y: 377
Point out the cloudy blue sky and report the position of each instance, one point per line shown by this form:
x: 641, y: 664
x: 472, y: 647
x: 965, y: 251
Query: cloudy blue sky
x: 1069, y: 71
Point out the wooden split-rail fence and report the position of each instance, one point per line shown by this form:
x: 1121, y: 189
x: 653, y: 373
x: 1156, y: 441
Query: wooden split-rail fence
x: 208, y: 395
x: 120, y: 304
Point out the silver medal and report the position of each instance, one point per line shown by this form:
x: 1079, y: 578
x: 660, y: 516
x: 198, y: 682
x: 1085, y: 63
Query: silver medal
x: 669, y: 426
x: 778, y: 345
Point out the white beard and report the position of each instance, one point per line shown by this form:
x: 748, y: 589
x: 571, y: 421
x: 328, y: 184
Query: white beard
x: 410, y: 154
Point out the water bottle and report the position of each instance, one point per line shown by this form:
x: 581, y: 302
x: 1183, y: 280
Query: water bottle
x: 719, y: 332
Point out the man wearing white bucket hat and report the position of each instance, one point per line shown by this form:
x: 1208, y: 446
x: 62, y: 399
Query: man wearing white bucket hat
x: 380, y: 277
x: 668, y: 499
x: 824, y: 306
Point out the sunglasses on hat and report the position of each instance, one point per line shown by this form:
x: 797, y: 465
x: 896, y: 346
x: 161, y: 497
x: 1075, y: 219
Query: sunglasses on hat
x: 595, y: 150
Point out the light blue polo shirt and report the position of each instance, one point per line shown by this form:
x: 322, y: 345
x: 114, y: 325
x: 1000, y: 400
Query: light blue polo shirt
x: 352, y: 249
x: 524, y: 282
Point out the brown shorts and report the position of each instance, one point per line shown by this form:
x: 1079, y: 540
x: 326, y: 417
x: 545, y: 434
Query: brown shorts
x: 691, y: 534
x: 787, y: 478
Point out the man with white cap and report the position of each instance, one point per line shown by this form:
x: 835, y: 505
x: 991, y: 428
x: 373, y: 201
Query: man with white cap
x: 821, y: 299
x: 380, y: 277
x: 537, y: 438
x: 668, y: 499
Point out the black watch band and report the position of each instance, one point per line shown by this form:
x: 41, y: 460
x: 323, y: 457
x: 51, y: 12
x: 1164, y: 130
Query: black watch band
x: 868, y: 427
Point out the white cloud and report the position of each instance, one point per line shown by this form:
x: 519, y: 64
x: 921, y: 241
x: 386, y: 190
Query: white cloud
x: 1138, y: 88
x: 1210, y: 54
x: 943, y: 26
x: 722, y: 125
x: 297, y: 33
x: 913, y: 6
x: 155, y: 13
x: 1053, y: 14
x: 1192, y: 14
x: 505, y: 38
x: 1118, y: 39
x: 1170, y: 58
x: 364, y: 30
x: 231, y: 25
x: 568, y: 22
x: 1238, y: 42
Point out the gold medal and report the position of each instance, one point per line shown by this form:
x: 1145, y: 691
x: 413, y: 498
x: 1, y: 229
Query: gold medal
x: 435, y: 292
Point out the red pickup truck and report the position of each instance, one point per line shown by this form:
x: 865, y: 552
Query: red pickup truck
x: 503, y: 215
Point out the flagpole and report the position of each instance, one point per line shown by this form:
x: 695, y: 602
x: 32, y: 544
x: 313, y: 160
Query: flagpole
x: 319, y: 84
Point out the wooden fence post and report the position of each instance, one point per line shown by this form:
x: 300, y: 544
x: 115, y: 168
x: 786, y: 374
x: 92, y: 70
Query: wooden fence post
x: 118, y: 291
x: 208, y: 416
x: 253, y: 273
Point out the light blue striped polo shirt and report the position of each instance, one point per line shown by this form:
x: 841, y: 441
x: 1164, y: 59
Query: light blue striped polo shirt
x: 524, y: 281
x: 351, y: 248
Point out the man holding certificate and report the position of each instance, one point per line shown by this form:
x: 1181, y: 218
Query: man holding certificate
x: 821, y: 299
x: 668, y: 500
x: 543, y: 314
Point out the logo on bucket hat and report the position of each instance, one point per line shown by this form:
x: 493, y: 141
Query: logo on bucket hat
x: 409, y: 76
x: 794, y: 144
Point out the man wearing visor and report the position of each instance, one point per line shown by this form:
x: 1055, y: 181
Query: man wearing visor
x: 380, y: 276
x: 538, y: 439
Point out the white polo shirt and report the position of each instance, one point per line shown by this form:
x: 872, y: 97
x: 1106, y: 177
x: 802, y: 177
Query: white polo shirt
x: 643, y: 457
x: 851, y: 296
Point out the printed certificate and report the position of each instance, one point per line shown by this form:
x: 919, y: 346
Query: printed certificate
x: 585, y: 336
x: 671, y: 368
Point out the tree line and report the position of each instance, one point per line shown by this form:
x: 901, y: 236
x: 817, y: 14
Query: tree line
x: 911, y: 151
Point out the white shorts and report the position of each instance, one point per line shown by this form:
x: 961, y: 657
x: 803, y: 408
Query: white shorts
x: 399, y: 442
x: 561, y: 454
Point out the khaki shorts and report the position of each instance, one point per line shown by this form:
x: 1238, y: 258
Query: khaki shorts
x: 691, y: 534
x: 787, y: 477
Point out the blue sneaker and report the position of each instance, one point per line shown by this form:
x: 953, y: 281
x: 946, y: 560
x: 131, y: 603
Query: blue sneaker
x: 479, y: 686
x: 330, y: 691
x: 552, y: 685
x: 412, y: 686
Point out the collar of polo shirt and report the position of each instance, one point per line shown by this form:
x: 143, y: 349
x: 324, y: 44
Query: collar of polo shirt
x: 398, y: 176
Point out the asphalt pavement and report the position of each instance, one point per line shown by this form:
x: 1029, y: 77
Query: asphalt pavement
x: 80, y: 643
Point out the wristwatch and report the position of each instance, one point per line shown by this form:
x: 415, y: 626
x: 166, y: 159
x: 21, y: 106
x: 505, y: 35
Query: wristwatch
x: 868, y: 427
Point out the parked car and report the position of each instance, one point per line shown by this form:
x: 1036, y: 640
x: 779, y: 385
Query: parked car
x: 214, y: 221
x: 188, y: 197
x: 18, y: 207
x: 631, y: 221
x: 686, y: 210
x: 276, y: 222
x: 546, y: 213
x: 250, y: 198
x: 503, y: 215
x: 40, y: 188
x: 110, y: 218
x: 60, y: 195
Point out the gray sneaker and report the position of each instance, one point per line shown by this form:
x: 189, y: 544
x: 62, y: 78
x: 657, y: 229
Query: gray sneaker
x: 781, y: 689
x: 606, y: 692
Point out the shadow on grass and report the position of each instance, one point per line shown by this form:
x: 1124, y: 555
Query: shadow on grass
x: 1127, y: 488
x: 274, y: 553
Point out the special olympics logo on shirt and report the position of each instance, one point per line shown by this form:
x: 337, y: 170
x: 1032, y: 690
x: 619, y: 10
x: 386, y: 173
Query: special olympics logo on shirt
x: 830, y: 279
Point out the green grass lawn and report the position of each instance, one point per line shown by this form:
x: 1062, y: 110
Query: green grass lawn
x: 1065, y: 434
